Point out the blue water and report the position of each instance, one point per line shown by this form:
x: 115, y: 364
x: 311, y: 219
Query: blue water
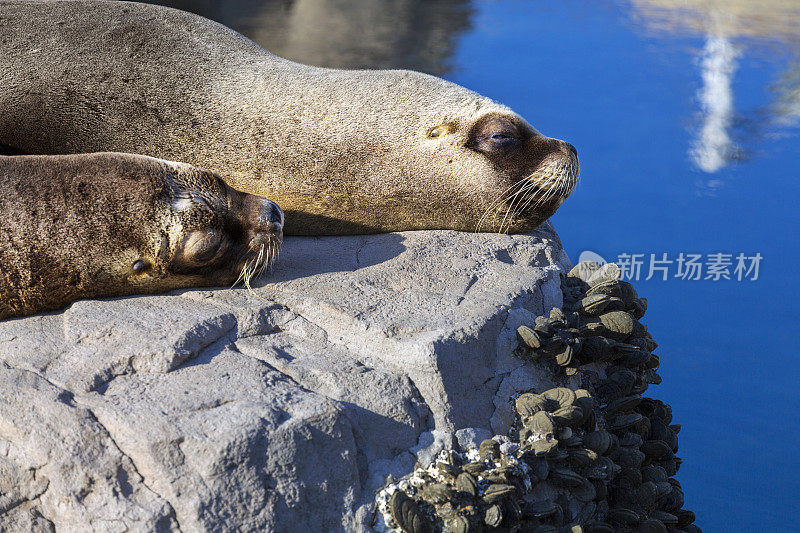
x: 627, y: 99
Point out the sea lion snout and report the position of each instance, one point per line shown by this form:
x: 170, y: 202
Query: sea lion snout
x: 264, y: 221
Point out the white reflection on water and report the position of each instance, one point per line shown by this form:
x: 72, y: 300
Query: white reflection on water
x: 728, y: 26
x: 714, y: 147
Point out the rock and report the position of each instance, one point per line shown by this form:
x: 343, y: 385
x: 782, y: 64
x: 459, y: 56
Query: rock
x: 472, y: 437
x: 280, y: 409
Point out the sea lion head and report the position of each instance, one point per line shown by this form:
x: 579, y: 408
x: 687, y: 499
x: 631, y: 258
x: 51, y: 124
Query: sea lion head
x: 413, y: 151
x: 210, y: 233
x: 112, y: 224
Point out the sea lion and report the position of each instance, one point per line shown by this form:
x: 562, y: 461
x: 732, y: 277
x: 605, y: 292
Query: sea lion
x: 342, y: 151
x: 110, y: 224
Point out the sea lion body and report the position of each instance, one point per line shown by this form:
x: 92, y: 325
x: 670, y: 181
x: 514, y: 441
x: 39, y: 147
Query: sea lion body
x: 110, y: 224
x: 342, y: 151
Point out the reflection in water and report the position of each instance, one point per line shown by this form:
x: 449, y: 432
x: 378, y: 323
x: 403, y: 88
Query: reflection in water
x: 786, y: 107
x: 723, y: 22
x: 714, y: 146
x: 416, y: 34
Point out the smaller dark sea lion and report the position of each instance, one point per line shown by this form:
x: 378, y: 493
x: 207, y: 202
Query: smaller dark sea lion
x: 111, y: 224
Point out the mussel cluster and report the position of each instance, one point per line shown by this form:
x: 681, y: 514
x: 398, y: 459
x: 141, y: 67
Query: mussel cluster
x: 597, y: 459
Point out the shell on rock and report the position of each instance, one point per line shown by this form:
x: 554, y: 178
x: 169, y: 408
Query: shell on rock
x: 651, y: 525
x: 631, y: 439
x: 599, y: 441
x: 544, y: 447
x: 618, y: 324
x: 630, y: 477
x: 568, y: 416
x: 594, y: 304
x: 596, y: 349
x: 475, y: 468
x: 542, y: 423
x: 685, y: 517
x: 607, y: 272
x: 609, y: 287
x: 540, y: 467
x: 528, y: 404
x: 652, y: 362
x: 604, y: 468
x: 562, y: 395
x: 447, y: 470
x: 635, y: 358
x: 627, y: 457
x: 622, y: 405
x: 584, y: 492
x: 493, y: 516
x: 565, y: 356
x: 587, y: 512
x: 668, y: 519
x: 656, y: 449
x: 489, y: 448
x: 638, y: 308
x: 406, y: 513
x: 497, y: 491
x: 436, y: 493
x: 459, y: 524
x: 529, y: 337
x: 582, y: 457
x: 654, y: 473
x: 467, y: 483
x: 652, y: 378
x: 627, y: 293
x: 564, y: 477
x: 625, y: 517
x: 622, y: 422
x: 544, y: 328
x: 664, y: 488
x: 584, y: 270
x: 542, y: 508
x: 647, y: 494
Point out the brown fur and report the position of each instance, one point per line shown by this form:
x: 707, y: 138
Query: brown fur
x: 342, y: 151
x: 73, y: 226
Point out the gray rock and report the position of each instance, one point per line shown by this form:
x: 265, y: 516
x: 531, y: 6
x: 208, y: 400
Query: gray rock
x: 280, y: 409
x: 472, y: 437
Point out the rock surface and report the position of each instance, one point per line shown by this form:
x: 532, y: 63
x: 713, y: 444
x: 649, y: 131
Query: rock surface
x: 281, y: 409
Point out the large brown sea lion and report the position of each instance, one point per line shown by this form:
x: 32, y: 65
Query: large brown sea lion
x: 342, y: 151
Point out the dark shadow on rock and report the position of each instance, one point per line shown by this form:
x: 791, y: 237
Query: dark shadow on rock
x: 10, y: 150
x: 309, y: 256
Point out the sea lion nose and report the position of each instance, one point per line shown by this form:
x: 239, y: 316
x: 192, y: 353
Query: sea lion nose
x: 271, y: 213
x: 275, y: 214
x: 567, y: 148
x: 269, y: 220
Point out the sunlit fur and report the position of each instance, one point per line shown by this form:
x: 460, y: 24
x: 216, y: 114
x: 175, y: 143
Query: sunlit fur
x: 551, y: 183
x: 260, y: 257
